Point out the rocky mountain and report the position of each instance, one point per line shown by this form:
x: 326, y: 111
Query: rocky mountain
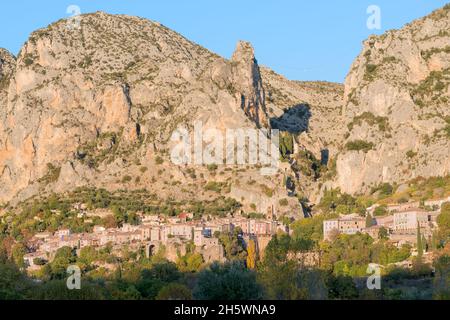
x: 96, y: 106
x: 397, y: 106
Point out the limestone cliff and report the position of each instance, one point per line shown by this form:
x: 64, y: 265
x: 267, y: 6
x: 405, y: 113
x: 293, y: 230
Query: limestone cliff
x: 96, y: 106
x: 397, y: 99
x: 247, y: 80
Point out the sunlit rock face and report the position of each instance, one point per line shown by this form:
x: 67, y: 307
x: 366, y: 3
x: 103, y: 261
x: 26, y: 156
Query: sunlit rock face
x: 397, y: 98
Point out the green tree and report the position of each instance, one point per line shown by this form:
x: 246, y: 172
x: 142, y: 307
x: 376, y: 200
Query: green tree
x: 233, y: 245
x: 383, y: 233
x: 310, y: 229
x: 64, y: 257
x: 443, y: 221
x: 441, y: 284
x: 342, y: 287
x: 13, y: 283
x: 419, y: 243
x: 369, y: 221
x: 154, y: 279
x: 380, y: 211
x: 286, y: 145
x: 18, y: 252
x: 88, y: 255
x: 282, y: 277
x: 174, y: 291
x: 57, y: 290
x: 191, y: 262
x: 229, y: 281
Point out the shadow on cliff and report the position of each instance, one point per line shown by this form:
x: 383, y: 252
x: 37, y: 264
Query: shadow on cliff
x: 294, y: 120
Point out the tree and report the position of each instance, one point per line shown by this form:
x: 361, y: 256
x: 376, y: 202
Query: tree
x: 251, y: 255
x: 348, y: 255
x: 383, y: 233
x: 312, y: 284
x: 286, y: 145
x: 443, y: 221
x: 13, y: 283
x: 154, y: 279
x: 310, y: 229
x: 419, y: 243
x: 369, y: 221
x: 281, y: 276
x: 88, y: 255
x: 63, y: 258
x: 174, y: 291
x: 57, y: 290
x: 441, y: 285
x: 342, y: 287
x: 380, y: 211
x: 233, y: 245
x: 18, y: 251
x: 229, y: 281
x: 191, y: 262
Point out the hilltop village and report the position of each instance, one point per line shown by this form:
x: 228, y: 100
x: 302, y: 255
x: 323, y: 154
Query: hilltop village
x: 399, y: 223
x: 152, y: 234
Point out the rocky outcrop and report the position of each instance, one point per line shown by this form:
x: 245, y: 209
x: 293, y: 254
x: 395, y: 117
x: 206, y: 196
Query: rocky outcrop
x: 97, y: 106
x: 7, y: 63
x: 247, y: 81
x: 397, y: 99
x: 7, y: 66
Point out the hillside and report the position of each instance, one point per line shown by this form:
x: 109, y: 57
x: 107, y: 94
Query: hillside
x: 96, y: 108
x: 397, y: 99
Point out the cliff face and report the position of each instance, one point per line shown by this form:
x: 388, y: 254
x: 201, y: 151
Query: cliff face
x: 7, y: 66
x: 397, y: 99
x: 96, y: 106
x: 247, y: 80
x: 81, y: 103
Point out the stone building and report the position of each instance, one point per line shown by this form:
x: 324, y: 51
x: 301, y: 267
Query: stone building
x: 350, y: 224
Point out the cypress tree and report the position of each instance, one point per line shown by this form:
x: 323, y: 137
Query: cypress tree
x: 419, y: 242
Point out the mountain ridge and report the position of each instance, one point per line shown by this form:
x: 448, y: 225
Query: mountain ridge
x: 96, y: 107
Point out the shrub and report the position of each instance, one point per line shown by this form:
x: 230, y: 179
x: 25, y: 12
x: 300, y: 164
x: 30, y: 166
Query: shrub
x: 52, y: 174
x: 380, y: 211
x: 174, y: 291
x: 286, y: 145
x: 411, y: 154
x: 370, y: 72
x: 371, y: 68
x: 267, y: 191
x: 214, y: 186
x: 143, y: 169
x: 371, y: 119
x: 126, y: 179
x: 212, y: 167
x: 359, y: 145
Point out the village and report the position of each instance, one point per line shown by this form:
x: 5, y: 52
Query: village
x: 400, y: 223
x: 153, y: 233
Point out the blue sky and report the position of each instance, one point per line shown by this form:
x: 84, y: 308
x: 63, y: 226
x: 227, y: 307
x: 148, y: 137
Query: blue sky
x: 303, y: 40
